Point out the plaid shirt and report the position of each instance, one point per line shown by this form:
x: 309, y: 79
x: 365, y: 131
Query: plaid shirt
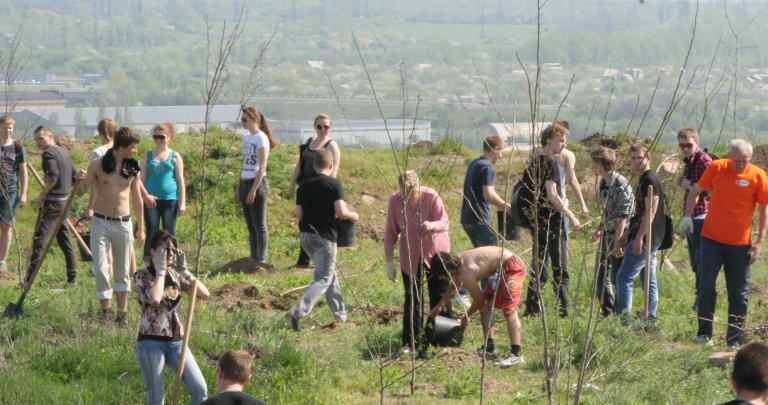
x: 616, y: 196
x: 694, y: 168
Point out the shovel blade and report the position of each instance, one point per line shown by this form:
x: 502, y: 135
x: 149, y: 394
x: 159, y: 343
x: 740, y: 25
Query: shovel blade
x: 12, y: 311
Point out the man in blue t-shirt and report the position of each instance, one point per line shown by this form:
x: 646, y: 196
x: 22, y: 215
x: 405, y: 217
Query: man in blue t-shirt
x: 480, y: 194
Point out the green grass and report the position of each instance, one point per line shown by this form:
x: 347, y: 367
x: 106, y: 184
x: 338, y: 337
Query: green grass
x: 58, y: 353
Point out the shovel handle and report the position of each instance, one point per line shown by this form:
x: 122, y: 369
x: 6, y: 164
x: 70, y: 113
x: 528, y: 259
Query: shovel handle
x: 185, y: 345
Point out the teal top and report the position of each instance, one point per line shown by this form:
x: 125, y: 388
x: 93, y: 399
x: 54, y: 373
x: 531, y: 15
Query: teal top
x: 161, y: 178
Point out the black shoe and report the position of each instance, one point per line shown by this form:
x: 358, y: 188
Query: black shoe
x: 121, y: 319
x: 294, y: 321
x: 563, y: 313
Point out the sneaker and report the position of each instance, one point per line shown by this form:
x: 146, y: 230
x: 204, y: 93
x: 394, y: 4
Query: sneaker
x: 404, y: 350
x: 488, y: 355
x: 121, y: 320
x: 695, y: 306
x: 510, y: 361
x: 3, y: 266
x: 463, y: 301
x: 734, y: 347
x: 563, y: 313
x: 71, y: 284
x: 706, y: 341
x: 294, y: 321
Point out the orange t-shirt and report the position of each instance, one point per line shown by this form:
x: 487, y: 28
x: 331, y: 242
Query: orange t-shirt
x: 732, y: 201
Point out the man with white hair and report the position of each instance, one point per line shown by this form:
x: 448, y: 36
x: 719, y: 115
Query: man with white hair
x: 736, y: 187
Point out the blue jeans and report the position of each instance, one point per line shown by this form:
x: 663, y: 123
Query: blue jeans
x: 631, y: 267
x: 8, y: 207
x: 694, y: 241
x: 168, y: 211
x: 153, y: 355
x: 256, y: 218
x: 323, y: 253
x: 479, y: 235
x: 735, y: 262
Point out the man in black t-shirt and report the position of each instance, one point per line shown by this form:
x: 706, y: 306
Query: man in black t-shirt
x: 59, y: 174
x: 634, y: 238
x: 319, y: 201
x: 232, y: 374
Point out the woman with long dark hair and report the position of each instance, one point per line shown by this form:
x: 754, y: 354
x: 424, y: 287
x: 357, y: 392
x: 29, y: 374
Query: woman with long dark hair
x: 253, y: 188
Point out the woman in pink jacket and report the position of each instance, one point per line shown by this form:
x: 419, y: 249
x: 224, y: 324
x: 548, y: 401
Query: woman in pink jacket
x: 416, y: 216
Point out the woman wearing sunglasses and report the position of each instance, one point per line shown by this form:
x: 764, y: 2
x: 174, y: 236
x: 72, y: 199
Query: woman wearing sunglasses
x: 253, y: 188
x: 305, y: 168
x: 162, y: 173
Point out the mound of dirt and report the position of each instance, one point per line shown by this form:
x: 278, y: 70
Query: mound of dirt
x: 373, y: 230
x: 248, y: 296
x: 424, y: 145
x: 757, y: 290
x: 383, y: 315
x: 69, y: 143
x: 245, y: 265
x: 597, y: 140
x: 256, y: 352
x: 7, y: 275
x: 760, y: 156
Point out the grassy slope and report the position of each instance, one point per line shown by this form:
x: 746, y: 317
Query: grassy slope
x: 58, y: 354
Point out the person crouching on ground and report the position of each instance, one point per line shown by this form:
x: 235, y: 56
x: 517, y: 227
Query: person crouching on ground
x: 158, y: 289
x: 468, y: 269
x: 319, y: 201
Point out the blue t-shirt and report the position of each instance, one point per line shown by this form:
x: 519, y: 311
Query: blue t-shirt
x: 479, y: 173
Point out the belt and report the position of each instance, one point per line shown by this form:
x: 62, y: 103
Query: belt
x: 247, y: 180
x: 116, y: 219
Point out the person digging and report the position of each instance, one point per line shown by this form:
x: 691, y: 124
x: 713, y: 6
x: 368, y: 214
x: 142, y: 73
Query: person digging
x: 467, y: 269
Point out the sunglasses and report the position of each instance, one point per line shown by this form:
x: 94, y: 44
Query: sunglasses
x: 323, y: 126
x: 685, y: 145
x: 156, y: 137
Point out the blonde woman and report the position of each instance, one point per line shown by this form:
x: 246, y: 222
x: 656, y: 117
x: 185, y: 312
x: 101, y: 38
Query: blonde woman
x: 162, y: 173
x: 253, y: 188
x: 305, y: 170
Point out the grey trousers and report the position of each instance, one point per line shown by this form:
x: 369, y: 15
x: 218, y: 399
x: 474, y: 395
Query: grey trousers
x: 323, y: 253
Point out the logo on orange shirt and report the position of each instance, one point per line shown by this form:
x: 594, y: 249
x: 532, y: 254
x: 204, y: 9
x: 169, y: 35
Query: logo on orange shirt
x: 742, y: 183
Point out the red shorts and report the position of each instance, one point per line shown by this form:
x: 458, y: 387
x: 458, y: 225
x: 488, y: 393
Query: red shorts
x: 510, y: 291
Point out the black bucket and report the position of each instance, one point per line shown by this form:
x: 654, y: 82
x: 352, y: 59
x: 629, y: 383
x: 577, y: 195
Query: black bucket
x: 442, y: 331
x: 85, y: 256
x: 508, y: 228
x: 346, y: 233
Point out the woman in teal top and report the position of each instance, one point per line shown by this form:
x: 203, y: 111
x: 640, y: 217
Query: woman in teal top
x: 162, y: 172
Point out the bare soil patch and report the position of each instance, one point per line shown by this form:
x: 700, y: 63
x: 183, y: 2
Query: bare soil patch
x: 373, y: 229
x: 760, y: 156
x: 383, y: 315
x: 597, y: 140
x: 681, y: 265
x: 248, y: 296
x: 424, y: 145
x: 255, y: 351
x: 69, y: 143
x: 245, y: 265
x: 757, y: 291
x: 7, y: 275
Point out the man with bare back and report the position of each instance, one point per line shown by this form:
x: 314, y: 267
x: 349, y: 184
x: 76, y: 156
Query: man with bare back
x: 468, y: 269
x: 115, y: 177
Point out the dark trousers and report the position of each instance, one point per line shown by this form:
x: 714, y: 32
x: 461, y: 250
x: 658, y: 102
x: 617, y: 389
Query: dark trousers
x: 551, y: 241
x: 413, y: 309
x: 694, y: 243
x: 606, y: 268
x: 47, y: 217
x: 735, y: 263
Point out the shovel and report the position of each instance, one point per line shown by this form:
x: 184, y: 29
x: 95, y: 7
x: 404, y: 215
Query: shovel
x: 185, y: 343
x: 14, y: 310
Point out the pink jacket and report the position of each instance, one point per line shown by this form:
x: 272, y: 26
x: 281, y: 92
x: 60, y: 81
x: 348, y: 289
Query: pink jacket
x: 412, y: 245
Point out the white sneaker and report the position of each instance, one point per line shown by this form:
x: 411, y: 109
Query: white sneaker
x: 509, y: 361
x: 463, y: 301
x: 704, y: 341
x: 404, y: 350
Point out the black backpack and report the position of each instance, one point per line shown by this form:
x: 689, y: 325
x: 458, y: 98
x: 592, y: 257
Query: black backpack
x: 696, y: 158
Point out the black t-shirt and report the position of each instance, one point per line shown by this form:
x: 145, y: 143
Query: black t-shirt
x: 232, y: 398
x: 58, y: 167
x: 317, y: 197
x: 541, y: 169
x: 641, y: 192
x: 736, y: 402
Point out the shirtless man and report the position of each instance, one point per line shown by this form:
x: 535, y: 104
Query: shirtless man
x: 115, y: 177
x: 468, y: 269
x: 566, y: 162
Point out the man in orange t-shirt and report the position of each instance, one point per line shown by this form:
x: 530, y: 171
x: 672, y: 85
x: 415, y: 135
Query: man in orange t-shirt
x: 736, y: 187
